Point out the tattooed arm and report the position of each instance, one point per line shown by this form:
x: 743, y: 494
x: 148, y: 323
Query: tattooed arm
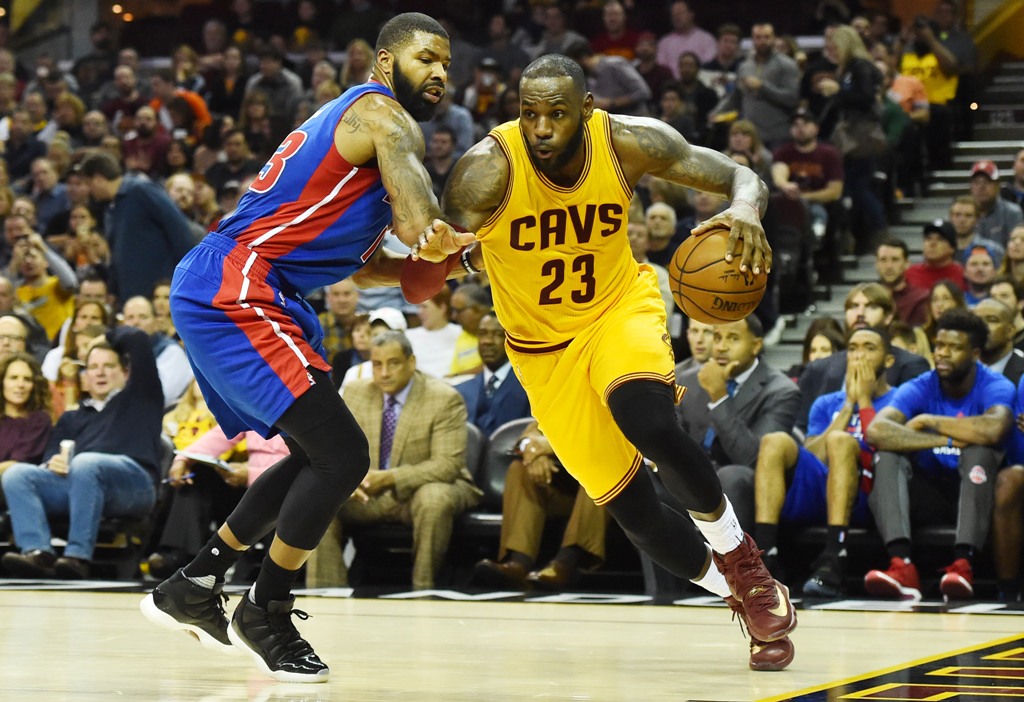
x: 646, y: 145
x: 377, y: 129
x: 474, y: 190
x: 889, y: 432
x: 986, y: 429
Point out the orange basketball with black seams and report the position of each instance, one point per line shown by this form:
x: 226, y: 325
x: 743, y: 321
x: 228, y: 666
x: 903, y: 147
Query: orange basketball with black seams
x: 708, y: 288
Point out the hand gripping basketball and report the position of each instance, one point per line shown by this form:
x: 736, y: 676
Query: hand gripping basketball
x: 707, y: 281
x: 743, y: 220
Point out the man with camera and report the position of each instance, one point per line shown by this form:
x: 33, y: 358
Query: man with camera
x: 943, y: 57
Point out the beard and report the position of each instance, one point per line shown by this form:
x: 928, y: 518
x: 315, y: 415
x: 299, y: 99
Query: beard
x: 957, y: 374
x: 411, y: 97
x: 559, y: 162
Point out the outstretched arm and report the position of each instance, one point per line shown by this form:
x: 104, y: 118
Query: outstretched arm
x: 473, y: 191
x: 647, y: 145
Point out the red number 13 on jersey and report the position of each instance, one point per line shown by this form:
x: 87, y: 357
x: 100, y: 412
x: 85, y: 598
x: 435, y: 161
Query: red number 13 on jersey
x: 273, y: 168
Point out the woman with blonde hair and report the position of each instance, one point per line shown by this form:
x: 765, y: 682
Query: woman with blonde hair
x: 68, y: 111
x: 744, y: 137
x: 6, y: 193
x: 358, y: 63
x: 854, y: 94
x: 190, y: 418
x: 185, y: 63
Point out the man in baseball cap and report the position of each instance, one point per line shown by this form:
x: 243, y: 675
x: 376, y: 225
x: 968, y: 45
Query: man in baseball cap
x: 939, y: 248
x: 389, y: 317
x: 381, y: 320
x: 996, y: 217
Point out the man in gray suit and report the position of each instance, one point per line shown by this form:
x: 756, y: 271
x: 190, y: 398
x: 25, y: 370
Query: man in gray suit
x: 733, y: 400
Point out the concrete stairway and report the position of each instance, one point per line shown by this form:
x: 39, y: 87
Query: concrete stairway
x: 998, y: 136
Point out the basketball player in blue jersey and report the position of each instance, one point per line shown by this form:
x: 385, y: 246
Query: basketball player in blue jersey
x: 316, y: 214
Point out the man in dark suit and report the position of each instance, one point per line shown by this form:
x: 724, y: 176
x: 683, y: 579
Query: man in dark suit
x: 736, y: 398
x: 494, y: 396
x: 867, y: 305
x: 999, y: 354
x: 416, y: 429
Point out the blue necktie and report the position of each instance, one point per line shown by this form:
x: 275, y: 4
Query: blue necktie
x: 388, y: 422
x: 492, y: 385
x: 709, y: 436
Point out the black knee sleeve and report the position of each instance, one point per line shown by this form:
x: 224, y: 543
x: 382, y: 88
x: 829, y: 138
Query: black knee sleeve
x: 645, y: 412
x: 301, y: 495
x: 327, y: 433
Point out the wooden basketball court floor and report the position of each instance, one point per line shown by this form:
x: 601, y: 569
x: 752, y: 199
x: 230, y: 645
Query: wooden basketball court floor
x: 87, y: 645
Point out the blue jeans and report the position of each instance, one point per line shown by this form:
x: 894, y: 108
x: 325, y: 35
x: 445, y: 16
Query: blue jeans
x: 97, y: 485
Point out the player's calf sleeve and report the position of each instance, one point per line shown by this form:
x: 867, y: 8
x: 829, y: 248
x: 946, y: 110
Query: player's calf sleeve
x: 660, y: 531
x: 644, y: 410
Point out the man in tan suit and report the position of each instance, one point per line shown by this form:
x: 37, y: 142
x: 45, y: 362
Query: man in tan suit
x: 416, y: 428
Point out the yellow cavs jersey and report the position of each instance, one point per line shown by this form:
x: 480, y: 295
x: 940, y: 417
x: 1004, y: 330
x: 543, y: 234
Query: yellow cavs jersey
x: 940, y: 87
x: 559, y: 256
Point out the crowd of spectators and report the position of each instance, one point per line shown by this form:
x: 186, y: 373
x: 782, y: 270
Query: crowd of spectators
x: 113, y: 164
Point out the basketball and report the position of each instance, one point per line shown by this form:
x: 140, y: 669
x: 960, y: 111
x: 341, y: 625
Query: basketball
x: 708, y: 288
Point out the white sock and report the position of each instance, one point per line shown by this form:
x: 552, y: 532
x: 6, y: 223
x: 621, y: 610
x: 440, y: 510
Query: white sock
x: 206, y: 581
x: 714, y: 582
x: 724, y: 534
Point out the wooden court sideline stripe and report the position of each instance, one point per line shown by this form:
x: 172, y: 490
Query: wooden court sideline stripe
x: 890, y: 669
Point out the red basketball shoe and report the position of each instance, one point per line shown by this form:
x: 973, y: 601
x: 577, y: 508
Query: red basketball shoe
x: 768, y: 614
x: 764, y: 655
x: 900, y: 580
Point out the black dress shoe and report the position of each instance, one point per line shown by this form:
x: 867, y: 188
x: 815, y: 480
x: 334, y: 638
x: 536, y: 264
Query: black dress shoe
x: 34, y: 564
x: 164, y: 564
x: 509, y: 574
x: 69, y: 568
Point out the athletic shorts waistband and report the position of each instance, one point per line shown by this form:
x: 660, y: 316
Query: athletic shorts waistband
x: 537, y: 347
x: 247, y: 260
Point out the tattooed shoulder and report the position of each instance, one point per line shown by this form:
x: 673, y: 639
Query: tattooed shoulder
x: 645, y: 145
x: 352, y: 121
x: 656, y: 143
x: 478, y: 183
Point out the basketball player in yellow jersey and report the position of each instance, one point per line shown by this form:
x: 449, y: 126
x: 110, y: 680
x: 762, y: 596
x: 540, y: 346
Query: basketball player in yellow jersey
x: 548, y: 196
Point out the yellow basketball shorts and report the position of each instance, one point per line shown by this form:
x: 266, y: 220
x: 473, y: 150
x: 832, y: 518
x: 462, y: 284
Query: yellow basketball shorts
x: 569, y: 388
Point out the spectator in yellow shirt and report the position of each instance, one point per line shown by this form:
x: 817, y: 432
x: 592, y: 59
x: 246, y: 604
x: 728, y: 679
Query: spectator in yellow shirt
x: 46, y: 284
